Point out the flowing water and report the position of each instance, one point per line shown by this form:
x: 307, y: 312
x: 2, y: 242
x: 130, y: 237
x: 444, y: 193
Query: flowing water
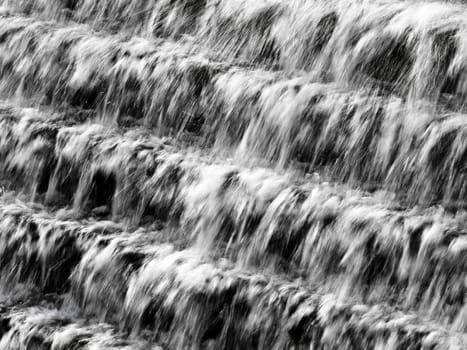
x: 233, y: 174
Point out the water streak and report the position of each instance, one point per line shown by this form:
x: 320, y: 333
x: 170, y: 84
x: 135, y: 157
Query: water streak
x: 181, y: 297
x: 326, y: 233
x: 419, y: 152
x: 233, y: 174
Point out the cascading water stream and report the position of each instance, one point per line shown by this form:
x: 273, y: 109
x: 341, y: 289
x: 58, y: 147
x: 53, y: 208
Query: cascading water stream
x: 233, y: 174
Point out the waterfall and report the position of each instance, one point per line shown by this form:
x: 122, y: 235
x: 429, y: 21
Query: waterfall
x: 233, y: 174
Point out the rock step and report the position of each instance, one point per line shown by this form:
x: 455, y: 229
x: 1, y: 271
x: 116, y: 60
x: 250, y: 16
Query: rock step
x: 323, y: 232
x: 185, y: 297
x: 45, y: 325
x: 407, y: 48
x: 418, y: 152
